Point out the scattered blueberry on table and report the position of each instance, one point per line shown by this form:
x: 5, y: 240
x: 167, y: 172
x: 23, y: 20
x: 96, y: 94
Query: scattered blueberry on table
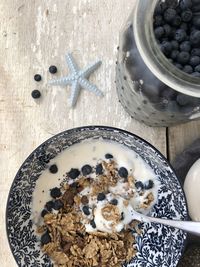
x: 37, y: 77
x: 53, y: 69
x: 36, y: 94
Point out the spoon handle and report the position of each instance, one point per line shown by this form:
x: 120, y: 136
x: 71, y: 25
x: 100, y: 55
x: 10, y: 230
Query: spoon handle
x: 191, y: 227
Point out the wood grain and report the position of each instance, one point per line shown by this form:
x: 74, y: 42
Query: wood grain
x: 34, y: 35
x: 182, y: 136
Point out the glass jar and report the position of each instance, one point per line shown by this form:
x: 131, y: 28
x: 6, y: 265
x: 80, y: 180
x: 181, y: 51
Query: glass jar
x: 150, y: 88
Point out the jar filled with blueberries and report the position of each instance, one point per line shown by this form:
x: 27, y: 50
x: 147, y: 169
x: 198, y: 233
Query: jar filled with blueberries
x: 158, y: 67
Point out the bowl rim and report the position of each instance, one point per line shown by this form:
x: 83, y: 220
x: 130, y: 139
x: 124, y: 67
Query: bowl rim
x: 102, y: 127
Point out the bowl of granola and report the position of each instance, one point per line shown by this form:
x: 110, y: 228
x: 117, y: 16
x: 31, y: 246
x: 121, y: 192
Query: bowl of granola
x: 69, y: 203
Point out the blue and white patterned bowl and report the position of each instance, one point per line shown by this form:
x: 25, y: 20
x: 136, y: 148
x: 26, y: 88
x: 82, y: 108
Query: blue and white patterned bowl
x: 158, y: 246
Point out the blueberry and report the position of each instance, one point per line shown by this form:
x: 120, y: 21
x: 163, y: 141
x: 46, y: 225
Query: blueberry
x: 123, y: 172
x: 84, y: 200
x: 196, y: 74
x: 188, y: 69
x: 168, y: 93
x: 169, y: 14
x: 180, y: 35
x: 86, y: 210
x: 149, y: 185
x: 101, y: 196
x: 194, y: 61
x: 122, y: 216
x: 168, y: 30
x: 166, y: 48
x: 176, y: 21
x: 174, y: 54
x: 36, y: 94
x: 86, y: 169
x: 196, y: 8
x: 37, y: 77
x: 114, y: 202
x: 184, y: 26
x: 55, y: 192
x: 159, y: 32
x: 53, y: 168
x: 139, y: 186
x: 197, y: 68
x: 108, y: 156
x: 158, y: 21
x: 186, y: 15
x: 99, y: 169
x: 179, y: 66
x: 158, y: 9
x: 183, y: 57
x: 58, y: 204
x: 185, y: 46
x: 175, y: 45
x: 93, y: 224
x: 185, y: 4
x: 195, y: 52
x: 49, y: 205
x: 52, y: 69
x: 73, y: 173
x: 195, y: 38
x: 44, y: 212
x: 182, y: 99
x: 196, y: 22
x: 45, y: 238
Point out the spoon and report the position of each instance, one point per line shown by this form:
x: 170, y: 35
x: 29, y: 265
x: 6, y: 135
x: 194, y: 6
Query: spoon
x: 188, y: 226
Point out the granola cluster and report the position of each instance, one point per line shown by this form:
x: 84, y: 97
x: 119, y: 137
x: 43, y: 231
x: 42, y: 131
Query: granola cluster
x: 67, y: 218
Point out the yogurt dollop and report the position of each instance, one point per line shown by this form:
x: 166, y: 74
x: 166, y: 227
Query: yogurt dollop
x: 192, y: 190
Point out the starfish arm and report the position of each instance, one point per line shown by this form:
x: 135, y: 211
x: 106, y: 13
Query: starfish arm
x: 74, y: 93
x: 62, y: 81
x: 90, y: 87
x: 71, y: 63
x: 91, y: 68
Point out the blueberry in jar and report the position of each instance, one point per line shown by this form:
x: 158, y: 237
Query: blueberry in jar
x: 183, y: 58
x: 194, y: 61
x: 180, y: 35
x: 185, y: 46
x: 169, y: 14
x: 188, y: 69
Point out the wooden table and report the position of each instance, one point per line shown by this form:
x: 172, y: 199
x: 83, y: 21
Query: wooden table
x: 36, y: 34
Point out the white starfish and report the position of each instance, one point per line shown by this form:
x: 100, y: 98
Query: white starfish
x: 78, y: 79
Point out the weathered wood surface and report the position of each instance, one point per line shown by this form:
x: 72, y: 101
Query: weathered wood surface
x: 34, y: 35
